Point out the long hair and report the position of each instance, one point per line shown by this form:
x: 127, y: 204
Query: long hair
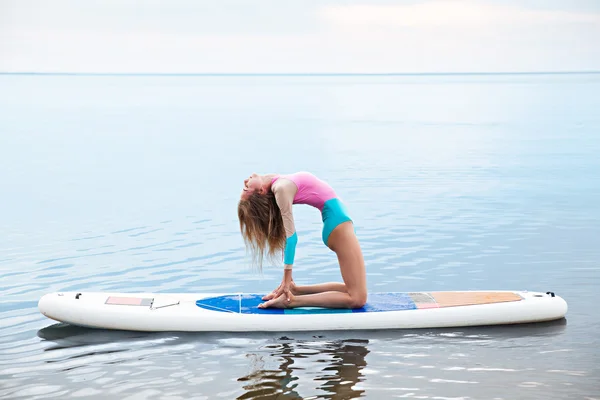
x: 262, y: 227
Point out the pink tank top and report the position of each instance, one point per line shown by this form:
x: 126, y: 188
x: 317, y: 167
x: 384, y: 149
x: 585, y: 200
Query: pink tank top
x: 311, y: 190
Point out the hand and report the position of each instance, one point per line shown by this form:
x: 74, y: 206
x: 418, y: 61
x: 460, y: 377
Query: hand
x: 285, y: 287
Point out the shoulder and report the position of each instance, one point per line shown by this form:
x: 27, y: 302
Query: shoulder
x: 284, y: 191
x: 284, y: 184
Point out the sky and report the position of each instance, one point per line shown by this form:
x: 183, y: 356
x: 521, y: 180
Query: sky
x: 300, y: 36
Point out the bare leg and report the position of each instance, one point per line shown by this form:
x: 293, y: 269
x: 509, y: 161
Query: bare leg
x: 345, y: 244
x: 318, y: 288
x: 312, y: 289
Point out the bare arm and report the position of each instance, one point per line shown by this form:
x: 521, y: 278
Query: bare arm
x: 284, y: 191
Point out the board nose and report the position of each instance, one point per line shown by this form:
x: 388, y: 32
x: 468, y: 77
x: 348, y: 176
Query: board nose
x: 46, y: 301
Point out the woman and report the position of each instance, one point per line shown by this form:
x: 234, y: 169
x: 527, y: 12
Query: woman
x: 267, y: 225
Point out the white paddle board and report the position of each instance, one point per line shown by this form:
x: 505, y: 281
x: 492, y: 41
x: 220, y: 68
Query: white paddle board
x: 231, y: 312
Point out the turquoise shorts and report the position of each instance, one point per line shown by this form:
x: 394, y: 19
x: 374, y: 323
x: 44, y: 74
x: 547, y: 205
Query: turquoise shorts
x: 334, y: 213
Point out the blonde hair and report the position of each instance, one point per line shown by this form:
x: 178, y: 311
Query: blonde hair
x: 262, y: 227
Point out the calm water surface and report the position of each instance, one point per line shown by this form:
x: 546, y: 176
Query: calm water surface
x: 130, y: 183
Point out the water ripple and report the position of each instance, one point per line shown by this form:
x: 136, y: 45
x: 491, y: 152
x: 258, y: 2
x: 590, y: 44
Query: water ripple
x: 464, y: 184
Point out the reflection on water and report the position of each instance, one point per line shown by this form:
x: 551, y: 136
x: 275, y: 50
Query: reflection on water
x: 63, y: 335
x: 325, y: 365
x: 339, y: 365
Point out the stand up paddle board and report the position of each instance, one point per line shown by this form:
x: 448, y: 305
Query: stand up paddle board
x: 231, y: 312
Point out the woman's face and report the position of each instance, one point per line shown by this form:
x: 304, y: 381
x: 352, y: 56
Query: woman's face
x: 251, y: 184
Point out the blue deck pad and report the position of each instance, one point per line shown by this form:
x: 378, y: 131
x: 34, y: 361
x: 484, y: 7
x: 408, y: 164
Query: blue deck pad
x: 377, y: 302
x: 248, y: 304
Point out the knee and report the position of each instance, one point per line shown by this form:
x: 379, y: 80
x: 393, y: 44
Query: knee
x: 358, y: 300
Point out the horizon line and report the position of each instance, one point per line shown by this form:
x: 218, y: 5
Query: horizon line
x: 581, y: 72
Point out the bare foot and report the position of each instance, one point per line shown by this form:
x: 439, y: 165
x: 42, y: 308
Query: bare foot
x: 279, y: 302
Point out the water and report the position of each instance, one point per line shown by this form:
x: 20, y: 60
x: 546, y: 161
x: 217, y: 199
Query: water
x: 461, y: 182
